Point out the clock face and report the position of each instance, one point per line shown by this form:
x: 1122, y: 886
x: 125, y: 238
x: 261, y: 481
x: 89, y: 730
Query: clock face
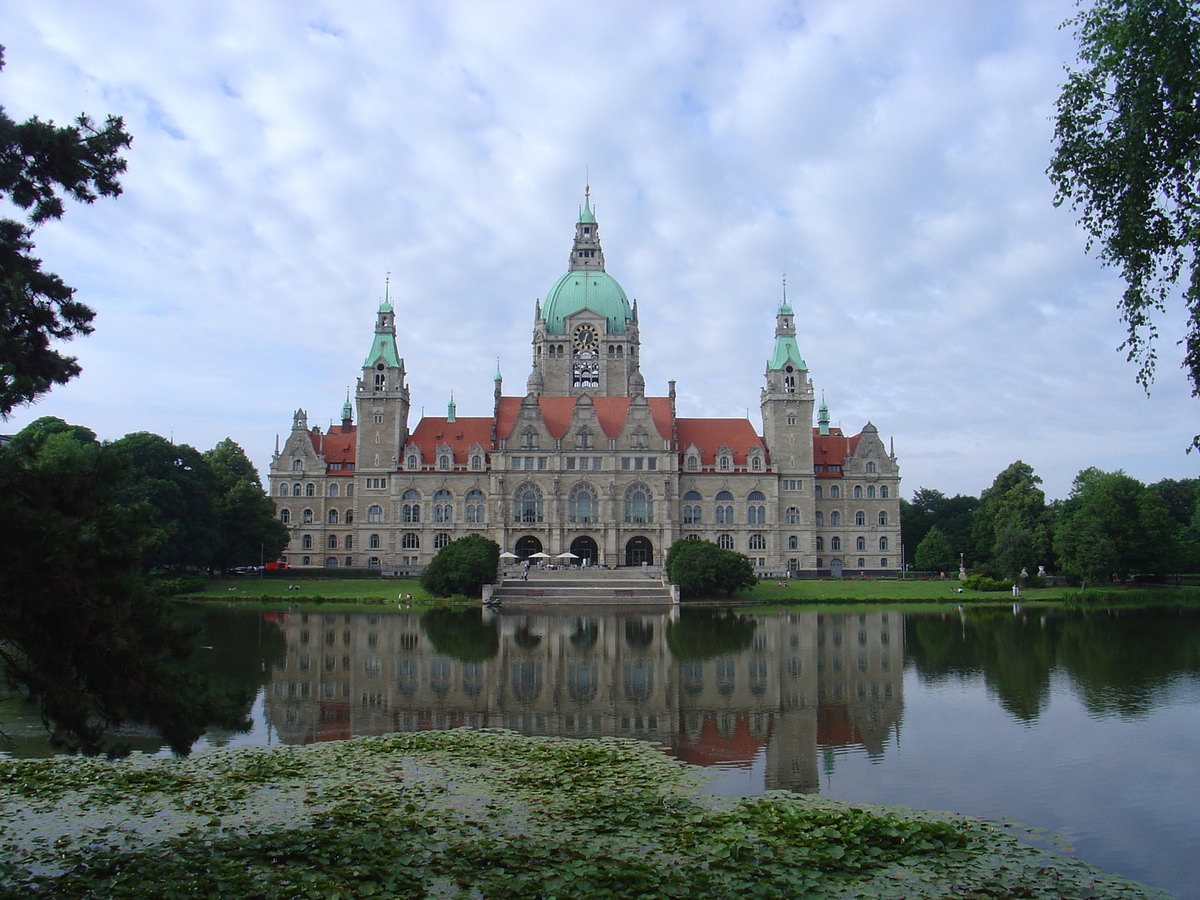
x: 585, y: 338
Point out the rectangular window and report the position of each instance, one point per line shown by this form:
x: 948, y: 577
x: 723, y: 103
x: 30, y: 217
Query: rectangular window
x: 637, y: 463
x: 625, y: 463
x: 571, y: 463
x: 652, y: 464
x: 541, y: 462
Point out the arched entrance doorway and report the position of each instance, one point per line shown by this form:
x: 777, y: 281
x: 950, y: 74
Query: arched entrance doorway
x: 527, y: 546
x: 639, y: 550
x: 587, y: 551
x: 835, y: 568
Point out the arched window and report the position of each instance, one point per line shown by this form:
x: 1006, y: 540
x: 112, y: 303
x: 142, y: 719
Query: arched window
x: 724, y: 513
x: 373, y: 542
x: 691, y: 508
x: 443, y: 509
x: 756, y: 464
x: 410, y: 510
x: 793, y: 542
x: 870, y: 467
x: 411, y: 462
x: 870, y: 492
x: 581, y: 506
x: 348, y: 518
x: 283, y: 490
x: 835, y: 543
x: 861, y: 562
x: 835, y: 492
x: 758, y: 542
x: 724, y: 462
x: 638, y: 508
x: 310, y: 490
x: 818, y: 543
x: 306, y: 542
x: 334, y: 489
x: 835, y: 518
x: 476, y: 514
x: 476, y: 462
x: 858, y: 492
x: 883, y: 492
x: 860, y: 543
x: 296, y: 489
x: 443, y: 461
x: 725, y: 541
x: 348, y: 544
x: 792, y: 516
x: 440, y: 540
x: 883, y: 562
x: 883, y: 517
x: 285, y: 516
x: 818, y: 492
x: 819, y: 518
x: 883, y: 543
x: 756, y: 513
x: 860, y: 518
x: 332, y: 543
x: 410, y: 541
x: 527, y: 504
x: 331, y: 562
x: 374, y: 513
x: 692, y: 463
x: 331, y: 517
x: 297, y: 465
x: 373, y: 562
x: 306, y: 517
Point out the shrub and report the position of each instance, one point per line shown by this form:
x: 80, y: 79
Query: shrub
x: 984, y: 583
x: 462, y: 567
x: 701, y: 569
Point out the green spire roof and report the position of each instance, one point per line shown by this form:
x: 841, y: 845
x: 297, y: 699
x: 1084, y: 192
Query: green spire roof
x: 586, y: 214
x: 786, y: 348
x: 383, y: 347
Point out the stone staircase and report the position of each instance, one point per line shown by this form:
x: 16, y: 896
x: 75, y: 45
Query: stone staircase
x: 574, y: 586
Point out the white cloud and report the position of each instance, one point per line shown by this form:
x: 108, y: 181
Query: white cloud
x: 888, y: 156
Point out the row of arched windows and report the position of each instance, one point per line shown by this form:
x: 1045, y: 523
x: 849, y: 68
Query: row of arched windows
x: 860, y: 518
x: 835, y: 543
x: 333, y: 489
x: 859, y: 492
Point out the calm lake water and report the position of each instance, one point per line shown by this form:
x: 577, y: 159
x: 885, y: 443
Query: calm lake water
x: 1084, y: 724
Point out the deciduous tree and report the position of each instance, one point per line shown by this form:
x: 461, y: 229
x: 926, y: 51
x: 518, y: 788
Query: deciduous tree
x: 702, y: 569
x: 1127, y: 159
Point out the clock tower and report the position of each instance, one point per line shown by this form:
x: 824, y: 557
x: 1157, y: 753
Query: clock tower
x: 585, y: 334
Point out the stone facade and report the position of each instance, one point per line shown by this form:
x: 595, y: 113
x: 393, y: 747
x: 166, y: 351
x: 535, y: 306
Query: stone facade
x: 585, y: 462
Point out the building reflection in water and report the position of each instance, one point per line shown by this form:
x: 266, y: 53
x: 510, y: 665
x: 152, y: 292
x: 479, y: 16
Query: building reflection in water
x: 714, y: 687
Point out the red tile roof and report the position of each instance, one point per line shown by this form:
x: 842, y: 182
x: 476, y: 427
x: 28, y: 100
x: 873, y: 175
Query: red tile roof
x: 832, y: 449
x: 710, y: 435
x: 336, y: 446
x: 460, y: 435
x: 557, y: 412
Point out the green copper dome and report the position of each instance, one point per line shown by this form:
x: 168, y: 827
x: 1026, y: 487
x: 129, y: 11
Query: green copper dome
x: 594, y: 290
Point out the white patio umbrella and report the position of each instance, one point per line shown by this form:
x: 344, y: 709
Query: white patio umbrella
x: 541, y: 554
x: 567, y: 555
x: 508, y: 554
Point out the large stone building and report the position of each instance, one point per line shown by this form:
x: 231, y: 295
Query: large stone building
x: 585, y: 461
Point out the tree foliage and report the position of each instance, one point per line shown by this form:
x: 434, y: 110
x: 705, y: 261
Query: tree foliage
x: 702, y: 569
x: 81, y: 635
x: 1127, y: 159
x: 247, y: 528
x: 934, y: 553
x: 40, y: 163
x: 463, y: 566
x: 1011, y: 528
x: 1113, y: 524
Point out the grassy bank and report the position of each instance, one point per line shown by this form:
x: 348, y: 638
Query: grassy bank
x: 487, y: 815
x: 400, y: 592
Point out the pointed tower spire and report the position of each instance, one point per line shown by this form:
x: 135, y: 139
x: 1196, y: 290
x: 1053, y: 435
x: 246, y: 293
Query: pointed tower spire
x: 450, y: 409
x: 823, y: 416
x: 347, y: 412
x: 586, y: 254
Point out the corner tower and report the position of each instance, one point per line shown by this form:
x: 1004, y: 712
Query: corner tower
x: 382, y: 399
x: 787, y: 400
x: 585, y: 335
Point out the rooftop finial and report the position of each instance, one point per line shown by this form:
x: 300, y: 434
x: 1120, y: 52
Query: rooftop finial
x: 785, y: 288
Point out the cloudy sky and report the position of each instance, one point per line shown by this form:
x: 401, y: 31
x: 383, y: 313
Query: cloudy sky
x: 887, y: 156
